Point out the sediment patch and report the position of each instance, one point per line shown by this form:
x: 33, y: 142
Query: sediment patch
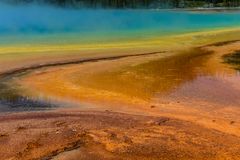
x: 111, y: 135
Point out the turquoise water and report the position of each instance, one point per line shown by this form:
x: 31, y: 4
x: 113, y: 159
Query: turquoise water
x: 41, y: 24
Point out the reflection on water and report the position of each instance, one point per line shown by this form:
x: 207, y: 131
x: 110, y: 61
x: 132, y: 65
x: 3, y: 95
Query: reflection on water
x: 197, y: 73
x: 233, y: 59
x: 157, y: 76
x: 12, y: 100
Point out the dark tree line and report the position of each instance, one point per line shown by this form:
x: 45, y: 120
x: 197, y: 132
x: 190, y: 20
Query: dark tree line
x: 135, y: 3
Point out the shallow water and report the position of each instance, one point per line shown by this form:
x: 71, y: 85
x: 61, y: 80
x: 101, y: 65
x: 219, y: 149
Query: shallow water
x: 191, y: 75
x: 147, y: 79
x: 196, y: 75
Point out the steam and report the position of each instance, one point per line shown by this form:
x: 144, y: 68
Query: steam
x: 45, y: 20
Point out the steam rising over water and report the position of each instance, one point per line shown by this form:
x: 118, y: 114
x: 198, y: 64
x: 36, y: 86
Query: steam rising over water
x: 33, y: 21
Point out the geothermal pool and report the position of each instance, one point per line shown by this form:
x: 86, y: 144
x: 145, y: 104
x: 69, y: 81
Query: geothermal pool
x: 46, y: 25
x: 123, y: 83
x: 34, y: 38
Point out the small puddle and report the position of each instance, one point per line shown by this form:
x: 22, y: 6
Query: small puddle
x: 233, y: 59
x: 11, y: 99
